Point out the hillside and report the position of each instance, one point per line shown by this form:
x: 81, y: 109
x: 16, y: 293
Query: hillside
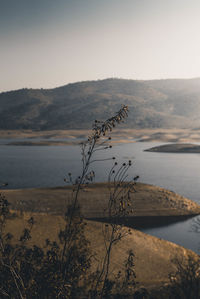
x: 154, y: 258
x: 152, y: 104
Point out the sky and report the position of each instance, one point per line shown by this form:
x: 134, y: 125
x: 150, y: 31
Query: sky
x: 49, y: 43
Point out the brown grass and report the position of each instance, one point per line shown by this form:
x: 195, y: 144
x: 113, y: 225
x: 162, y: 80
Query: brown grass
x: 152, y: 255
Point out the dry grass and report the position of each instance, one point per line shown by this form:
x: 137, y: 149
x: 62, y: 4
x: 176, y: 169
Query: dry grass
x: 152, y: 255
x: 148, y: 200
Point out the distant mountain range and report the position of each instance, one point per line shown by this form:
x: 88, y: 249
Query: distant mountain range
x: 172, y: 103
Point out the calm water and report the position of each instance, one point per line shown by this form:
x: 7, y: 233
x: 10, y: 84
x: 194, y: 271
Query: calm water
x: 46, y: 166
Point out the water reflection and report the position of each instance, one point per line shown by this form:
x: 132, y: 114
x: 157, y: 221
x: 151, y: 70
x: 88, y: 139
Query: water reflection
x: 180, y: 233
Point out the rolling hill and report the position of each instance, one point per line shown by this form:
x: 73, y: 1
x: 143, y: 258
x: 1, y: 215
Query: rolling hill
x: 172, y: 103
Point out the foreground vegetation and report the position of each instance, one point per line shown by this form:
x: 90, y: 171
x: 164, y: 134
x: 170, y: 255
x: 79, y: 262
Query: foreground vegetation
x: 61, y: 270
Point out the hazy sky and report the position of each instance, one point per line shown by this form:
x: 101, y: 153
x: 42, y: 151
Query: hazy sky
x: 48, y: 43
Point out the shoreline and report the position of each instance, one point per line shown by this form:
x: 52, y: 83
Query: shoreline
x: 148, y: 222
x: 71, y: 137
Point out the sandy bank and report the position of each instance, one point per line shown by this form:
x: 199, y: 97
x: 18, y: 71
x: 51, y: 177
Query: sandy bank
x: 43, y: 143
x: 118, y: 136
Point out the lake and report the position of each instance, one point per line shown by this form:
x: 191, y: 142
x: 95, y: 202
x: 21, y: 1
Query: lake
x: 47, y: 166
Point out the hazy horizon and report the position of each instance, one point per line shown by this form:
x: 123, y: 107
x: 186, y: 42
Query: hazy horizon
x: 65, y: 84
x: 46, y: 44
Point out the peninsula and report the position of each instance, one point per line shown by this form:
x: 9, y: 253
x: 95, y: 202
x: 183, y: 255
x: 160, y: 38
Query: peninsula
x: 175, y: 148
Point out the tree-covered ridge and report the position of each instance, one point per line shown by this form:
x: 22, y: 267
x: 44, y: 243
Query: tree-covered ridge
x: 153, y: 104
